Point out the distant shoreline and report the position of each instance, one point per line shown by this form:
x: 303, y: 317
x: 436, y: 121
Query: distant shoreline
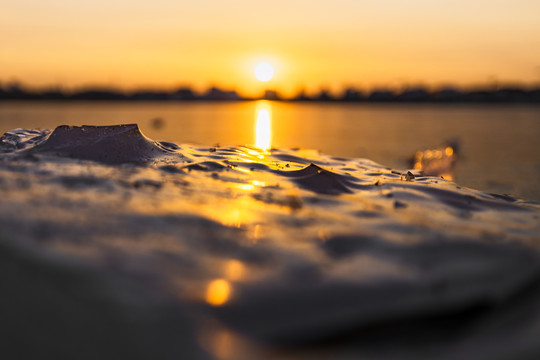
x: 285, y: 101
x: 412, y: 95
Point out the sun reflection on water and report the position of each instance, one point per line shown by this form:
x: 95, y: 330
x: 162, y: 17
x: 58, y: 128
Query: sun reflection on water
x: 263, y: 126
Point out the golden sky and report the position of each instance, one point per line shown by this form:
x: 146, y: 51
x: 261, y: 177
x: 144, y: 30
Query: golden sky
x: 312, y: 44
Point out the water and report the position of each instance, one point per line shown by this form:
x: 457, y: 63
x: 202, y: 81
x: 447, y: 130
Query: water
x: 499, y: 144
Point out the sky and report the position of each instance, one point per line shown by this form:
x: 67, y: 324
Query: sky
x: 311, y: 44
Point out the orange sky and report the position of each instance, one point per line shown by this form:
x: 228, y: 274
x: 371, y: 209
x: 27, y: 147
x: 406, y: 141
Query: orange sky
x: 312, y: 44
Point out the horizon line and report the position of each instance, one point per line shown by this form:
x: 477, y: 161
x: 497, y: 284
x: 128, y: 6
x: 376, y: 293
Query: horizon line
x: 508, y: 93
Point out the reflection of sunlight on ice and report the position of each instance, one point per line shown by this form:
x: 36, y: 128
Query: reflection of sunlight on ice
x: 235, y: 270
x: 243, y: 170
x: 250, y: 187
x: 234, y: 218
x: 222, y: 343
x: 323, y: 235
x: 218, y: 292
x: 247, y: 187
x: 238, y: 213
x: 258, y: 183
x: 255, y: 234
x: 263, y: 131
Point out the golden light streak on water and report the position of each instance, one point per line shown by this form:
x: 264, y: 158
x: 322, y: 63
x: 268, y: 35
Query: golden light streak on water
x: 263, y: 126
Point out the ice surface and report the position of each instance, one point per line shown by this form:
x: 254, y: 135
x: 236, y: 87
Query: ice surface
x: 235, y: 252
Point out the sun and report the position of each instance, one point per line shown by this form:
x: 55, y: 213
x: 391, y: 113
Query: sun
x: 264, y: 71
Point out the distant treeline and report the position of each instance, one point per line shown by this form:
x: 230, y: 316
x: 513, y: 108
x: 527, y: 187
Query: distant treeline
x: 416, y: 94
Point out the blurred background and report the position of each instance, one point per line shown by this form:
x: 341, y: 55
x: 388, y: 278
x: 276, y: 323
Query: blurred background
x: 378, y: 80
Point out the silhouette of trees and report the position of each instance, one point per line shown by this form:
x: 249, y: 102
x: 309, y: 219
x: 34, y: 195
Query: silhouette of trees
x: 418, y: 94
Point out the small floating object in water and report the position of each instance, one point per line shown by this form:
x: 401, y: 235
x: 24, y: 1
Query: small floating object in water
x: 438, y: 162
x: 157, y: 123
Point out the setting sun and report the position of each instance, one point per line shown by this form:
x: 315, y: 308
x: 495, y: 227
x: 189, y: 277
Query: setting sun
x: 264, y: 71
